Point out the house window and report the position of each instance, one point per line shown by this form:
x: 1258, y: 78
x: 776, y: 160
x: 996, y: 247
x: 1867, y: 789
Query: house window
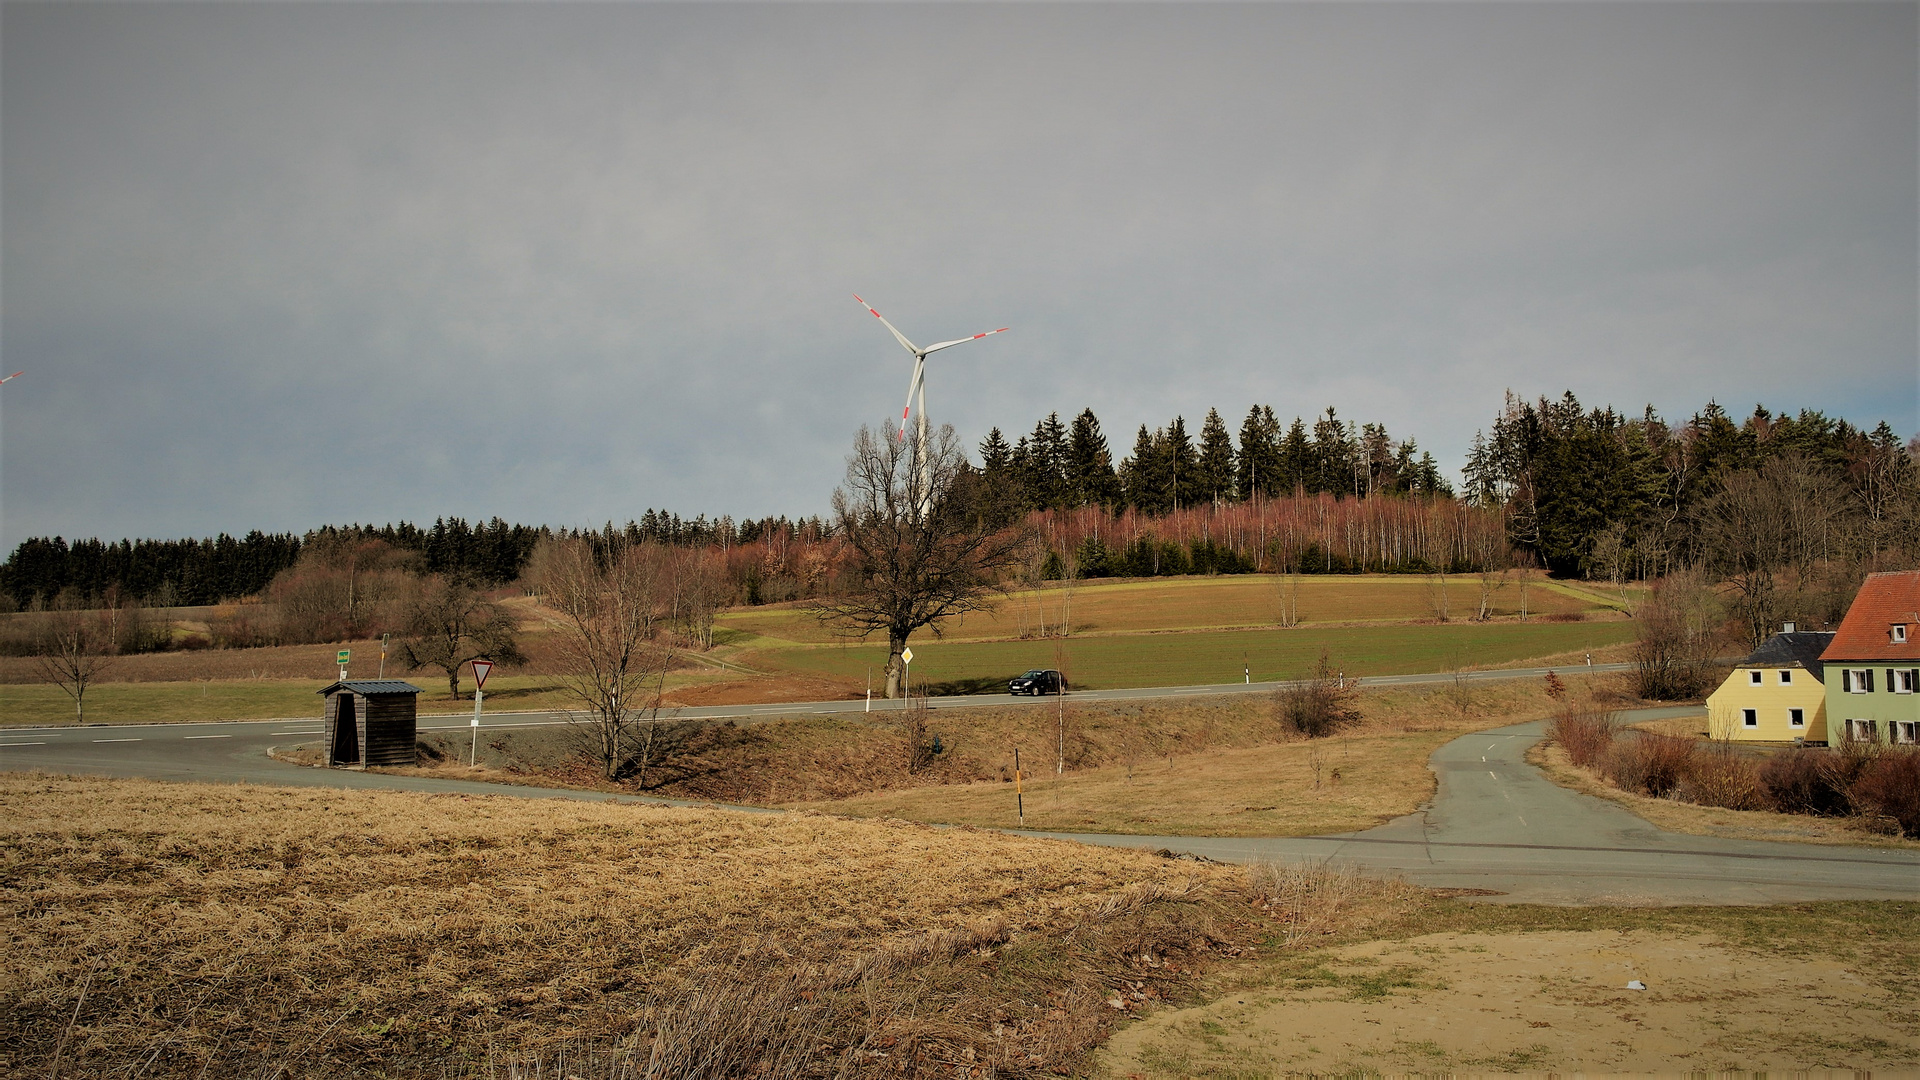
x: 1796, y: 718
x: 1900, y: 681
x: 1786, y: 677
x: 1904, y: 731
x: 1857, y: 680
x: 1863, y: 730
x: 1750, y: 717
x: 1753, y: 677
x: 1899, y: 633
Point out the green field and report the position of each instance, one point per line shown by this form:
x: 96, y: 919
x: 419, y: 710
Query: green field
x: 1205, y: 603
x: 1180, y: 659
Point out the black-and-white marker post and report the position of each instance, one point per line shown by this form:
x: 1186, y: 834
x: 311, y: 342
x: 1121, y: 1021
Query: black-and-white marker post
x: 481, y: 668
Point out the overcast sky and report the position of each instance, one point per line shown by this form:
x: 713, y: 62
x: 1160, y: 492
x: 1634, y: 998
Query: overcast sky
x: 277, y: 266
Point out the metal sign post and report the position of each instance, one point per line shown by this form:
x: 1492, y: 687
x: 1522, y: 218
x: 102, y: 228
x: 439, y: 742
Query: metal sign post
x: 1019, y: 797
x: 481, y: 669
x: 345, y: 654
x: 906, y: 691
x: 383, y: 656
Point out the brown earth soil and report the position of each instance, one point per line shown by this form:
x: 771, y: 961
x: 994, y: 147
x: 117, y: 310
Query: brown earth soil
x: 1538, y: 1002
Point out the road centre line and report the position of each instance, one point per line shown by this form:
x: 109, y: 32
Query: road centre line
x: 119, y: 740
x: 3, y: 746
x: 207, y: 736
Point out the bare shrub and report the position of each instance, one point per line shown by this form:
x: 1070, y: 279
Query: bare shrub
x: 1585, y: 736
x: 1804, y: 782
x: 1889, y: 785
x: 1721, y: 776
x: 1648, y: 764
x: 1681, y: 634
x: 1317, y: 706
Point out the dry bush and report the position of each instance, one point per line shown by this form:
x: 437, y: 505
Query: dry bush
x: 1648, y: 764
x: 1585, y: 736
x: 1721, y: 776
x: 1888, y: 785
x: 1319, y: 705
x: 1804, y: 782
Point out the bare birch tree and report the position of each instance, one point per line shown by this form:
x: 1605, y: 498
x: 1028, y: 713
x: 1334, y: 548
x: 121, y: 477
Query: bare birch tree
x: 75, y: 648
x: 917, y: 555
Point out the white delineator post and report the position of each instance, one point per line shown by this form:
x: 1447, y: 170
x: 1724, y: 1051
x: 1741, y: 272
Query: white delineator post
x: 481, y: 669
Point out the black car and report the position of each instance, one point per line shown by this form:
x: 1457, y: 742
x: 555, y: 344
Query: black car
x: 1038, y: 682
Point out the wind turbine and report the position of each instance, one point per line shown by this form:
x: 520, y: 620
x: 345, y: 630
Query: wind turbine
x: 917, y: 387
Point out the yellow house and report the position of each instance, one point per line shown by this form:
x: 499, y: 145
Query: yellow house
x: 1776, y: 695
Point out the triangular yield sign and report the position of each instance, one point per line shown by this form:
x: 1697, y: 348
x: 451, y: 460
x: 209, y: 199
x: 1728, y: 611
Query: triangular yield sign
x: 481, y: 668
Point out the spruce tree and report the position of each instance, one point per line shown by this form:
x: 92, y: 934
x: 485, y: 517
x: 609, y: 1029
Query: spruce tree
x: 1182, y: 466
x: 1090, y: 477
x: 1296, y: 460
x: 1214, y: 467
x: 1137, y: 474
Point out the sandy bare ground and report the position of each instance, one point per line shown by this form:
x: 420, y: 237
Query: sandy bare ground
x: 1553, y: 1001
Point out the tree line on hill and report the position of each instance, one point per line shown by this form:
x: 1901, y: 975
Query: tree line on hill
x: 1791, y: 509
x: 1063, y: 466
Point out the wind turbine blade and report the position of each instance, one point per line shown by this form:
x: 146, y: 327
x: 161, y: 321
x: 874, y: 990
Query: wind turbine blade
x: 919, y: 373
x: 900, y: 337
x: 964, y: 340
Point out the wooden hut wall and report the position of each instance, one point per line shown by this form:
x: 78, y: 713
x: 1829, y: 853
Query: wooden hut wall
x: 387, y: 724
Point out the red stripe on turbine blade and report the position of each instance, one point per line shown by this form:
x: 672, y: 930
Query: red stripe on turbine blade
x: 977, y: 337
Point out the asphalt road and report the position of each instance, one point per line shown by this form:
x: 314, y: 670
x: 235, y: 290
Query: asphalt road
x: 235, y: 751
x: 1495, y: 822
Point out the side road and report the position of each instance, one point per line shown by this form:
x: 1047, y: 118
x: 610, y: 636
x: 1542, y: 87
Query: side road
x: 1497, y: 824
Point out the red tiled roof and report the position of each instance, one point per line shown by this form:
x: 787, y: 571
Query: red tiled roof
x: 1885, y: 599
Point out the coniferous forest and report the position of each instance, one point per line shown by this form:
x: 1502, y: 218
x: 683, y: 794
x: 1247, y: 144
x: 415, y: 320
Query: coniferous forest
x: 1583, y: 492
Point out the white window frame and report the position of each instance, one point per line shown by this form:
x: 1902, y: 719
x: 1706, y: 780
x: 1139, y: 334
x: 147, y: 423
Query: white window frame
x: 1786, y: 676
x: 1753, y: 677
x: 1898, y: 633
x: 1750, y: 718
x: 1796, y: 718
x: 1857, y: 680
x: 1902, y: 680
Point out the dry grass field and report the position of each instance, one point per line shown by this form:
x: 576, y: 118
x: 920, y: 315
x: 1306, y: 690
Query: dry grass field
x: 192, y: 930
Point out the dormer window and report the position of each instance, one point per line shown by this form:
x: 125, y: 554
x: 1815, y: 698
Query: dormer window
x: 1899, y: 633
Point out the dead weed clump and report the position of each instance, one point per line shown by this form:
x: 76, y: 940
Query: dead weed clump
x: 1314, y: 899
x: 188, y: 930
x: 1718, y: 775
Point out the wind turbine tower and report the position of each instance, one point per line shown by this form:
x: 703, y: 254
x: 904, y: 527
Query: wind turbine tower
x: 917, y: 388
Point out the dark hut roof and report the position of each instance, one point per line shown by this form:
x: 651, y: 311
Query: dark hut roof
x: 1784, y: 650
x: 375, y: 686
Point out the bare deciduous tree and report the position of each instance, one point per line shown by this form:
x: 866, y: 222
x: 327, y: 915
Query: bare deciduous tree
x: 606, y: 595
x: 449, y: 625
x: 75, y: 648
x: 1763, y: 522
x: 1680, y: 638
x: 913, y: 562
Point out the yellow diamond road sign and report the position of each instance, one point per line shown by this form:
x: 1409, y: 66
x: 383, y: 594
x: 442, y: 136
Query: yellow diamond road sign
x: 906, y: 655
